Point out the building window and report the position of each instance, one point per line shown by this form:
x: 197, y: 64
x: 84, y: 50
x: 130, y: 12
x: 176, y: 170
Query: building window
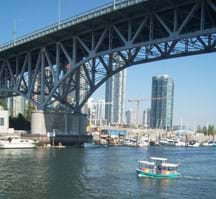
x: 1, y: 121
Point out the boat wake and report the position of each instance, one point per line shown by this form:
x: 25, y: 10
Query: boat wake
x: 198, y: 178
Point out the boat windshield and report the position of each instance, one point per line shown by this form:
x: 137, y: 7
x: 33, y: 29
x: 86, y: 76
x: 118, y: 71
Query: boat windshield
x: 145, y: 164
x: 169, y: 168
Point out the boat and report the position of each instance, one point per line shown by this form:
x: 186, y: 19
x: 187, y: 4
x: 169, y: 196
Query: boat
x: 17, y: 143
x: 167, y: 142
x: 209, y: 143
x: 193, y: 143
x: 130, y: 142
x: 180, y: 143
x: 143, y: 142
x: 157, y: 168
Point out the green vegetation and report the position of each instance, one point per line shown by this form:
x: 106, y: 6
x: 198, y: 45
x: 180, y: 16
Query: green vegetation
x: 19, y: 123
x: 3, y: 103
x: 210, y: 130
x: 30, y: 108
x: 22, y: 122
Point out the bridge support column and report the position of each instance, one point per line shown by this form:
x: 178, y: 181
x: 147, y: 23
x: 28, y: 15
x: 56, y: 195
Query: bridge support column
x: 38, y: 125
x: 66, y: 124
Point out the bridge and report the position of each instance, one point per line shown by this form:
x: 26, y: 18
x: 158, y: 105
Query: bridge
x: 61, y: 66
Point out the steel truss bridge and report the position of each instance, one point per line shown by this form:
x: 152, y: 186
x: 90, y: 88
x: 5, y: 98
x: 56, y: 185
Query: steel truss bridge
x: 60, y: 67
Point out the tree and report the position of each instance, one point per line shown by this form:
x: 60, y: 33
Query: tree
x: 3, y: 103
x: 19, y: 123
x: 199, y: 129
x: 211, y: 130
x: 214, y: 134
x: 29, y: 111
x: 204, y: 130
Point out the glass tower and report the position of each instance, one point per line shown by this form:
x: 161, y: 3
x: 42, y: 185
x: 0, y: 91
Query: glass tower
x: 162, y: 102
x: 115, y: 95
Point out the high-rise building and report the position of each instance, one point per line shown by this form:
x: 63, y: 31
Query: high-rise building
x: 128, y: 117
x: 100, y: 109
x: 16, y: 105
x: 146, y: 118
x: 91, y: 109
x: 115, y: 95
x: 162, y: 102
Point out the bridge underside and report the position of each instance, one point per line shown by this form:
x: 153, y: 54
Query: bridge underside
x: 61, y: 70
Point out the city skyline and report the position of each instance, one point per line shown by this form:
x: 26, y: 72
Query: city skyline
x: 194, y: 76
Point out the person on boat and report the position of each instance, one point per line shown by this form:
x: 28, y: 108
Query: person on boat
x: 9, y: 139
x: 159, y: 168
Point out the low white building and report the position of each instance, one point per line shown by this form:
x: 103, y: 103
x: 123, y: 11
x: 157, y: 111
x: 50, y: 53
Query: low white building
x: 4, y: 120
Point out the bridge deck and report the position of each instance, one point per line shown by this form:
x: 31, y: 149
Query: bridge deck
x: 82, y: 18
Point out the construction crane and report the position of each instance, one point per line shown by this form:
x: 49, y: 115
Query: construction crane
x: 138, y: 101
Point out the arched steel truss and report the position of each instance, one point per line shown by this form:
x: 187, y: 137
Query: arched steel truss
x: 64, y: 72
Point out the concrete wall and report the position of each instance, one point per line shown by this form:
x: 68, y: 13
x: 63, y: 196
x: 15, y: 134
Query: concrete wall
x: 63, y: 123
x: 4, y: 121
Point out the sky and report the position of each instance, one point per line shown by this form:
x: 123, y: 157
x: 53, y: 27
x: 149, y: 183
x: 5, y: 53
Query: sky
x: 194, y: 77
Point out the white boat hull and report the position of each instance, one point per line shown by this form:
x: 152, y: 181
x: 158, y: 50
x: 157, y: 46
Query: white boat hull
x: 17, y: 144
x: 165, y: 143
x: 194, y: 145
x: 180, y: 144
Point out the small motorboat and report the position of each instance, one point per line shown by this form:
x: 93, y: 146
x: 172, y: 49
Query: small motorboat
x: 143, y: 142
x: 167, y: 142
x: 157, y: 168
x: 209, y: 143
x: 193, y: 143
x: 17, y: 143
x: 180, y: 143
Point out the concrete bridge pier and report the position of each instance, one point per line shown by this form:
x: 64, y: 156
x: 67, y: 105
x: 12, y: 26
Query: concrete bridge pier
x: 70, y: 128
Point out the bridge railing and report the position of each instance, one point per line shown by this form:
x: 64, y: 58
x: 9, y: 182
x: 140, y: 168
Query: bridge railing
x: 107, y: 8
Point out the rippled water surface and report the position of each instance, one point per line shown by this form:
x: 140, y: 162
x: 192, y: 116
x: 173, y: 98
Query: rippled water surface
x: 104, y: 173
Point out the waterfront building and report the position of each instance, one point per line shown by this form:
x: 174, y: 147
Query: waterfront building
x: 146, y: 118
x: 4, y: 120
x: 115, y: 95
x: 162, y: 102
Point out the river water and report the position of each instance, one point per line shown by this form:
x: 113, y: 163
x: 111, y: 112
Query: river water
x: 74, y: 173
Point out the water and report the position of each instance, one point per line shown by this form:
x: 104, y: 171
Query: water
x: 104, y: 173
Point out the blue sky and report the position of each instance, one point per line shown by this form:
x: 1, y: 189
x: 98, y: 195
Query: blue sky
x: 195, y: 77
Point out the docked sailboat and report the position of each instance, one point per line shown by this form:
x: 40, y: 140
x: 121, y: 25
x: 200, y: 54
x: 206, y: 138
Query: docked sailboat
x: 17, y: 143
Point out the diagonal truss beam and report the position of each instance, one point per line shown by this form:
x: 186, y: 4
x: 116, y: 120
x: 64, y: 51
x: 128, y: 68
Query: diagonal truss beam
x: 72, y: 68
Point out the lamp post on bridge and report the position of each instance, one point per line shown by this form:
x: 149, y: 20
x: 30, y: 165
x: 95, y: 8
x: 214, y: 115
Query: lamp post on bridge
x: 114, y: 4
x: 59, y: 13
x: 15, y: 29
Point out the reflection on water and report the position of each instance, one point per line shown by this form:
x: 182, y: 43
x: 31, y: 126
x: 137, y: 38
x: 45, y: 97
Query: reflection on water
x: 103, y: 173
x: 161, y: 184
